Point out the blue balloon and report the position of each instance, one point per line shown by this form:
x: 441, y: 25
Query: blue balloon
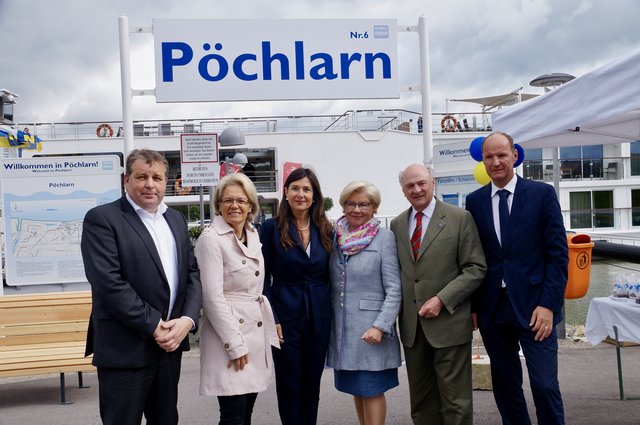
x: 475, y: 148
x: 520, y: 155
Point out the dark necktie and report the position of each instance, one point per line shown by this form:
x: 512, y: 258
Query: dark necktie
x: 417, y: 236
x: 503, y: 209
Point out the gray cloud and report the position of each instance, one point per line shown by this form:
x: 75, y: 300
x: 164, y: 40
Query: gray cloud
x: 62, y: 57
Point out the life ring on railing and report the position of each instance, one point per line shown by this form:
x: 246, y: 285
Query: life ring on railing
x: 449, y: 123
x: 179, y: 189
x: 104, y: 130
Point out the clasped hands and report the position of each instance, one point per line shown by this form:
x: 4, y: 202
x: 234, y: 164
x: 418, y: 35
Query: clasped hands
x: 169, y: 334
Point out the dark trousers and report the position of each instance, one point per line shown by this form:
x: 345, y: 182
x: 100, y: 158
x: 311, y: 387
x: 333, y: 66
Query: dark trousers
x: 236, y: 409
x: 126, y: 394
x: 299, y: 365
x: 501, y: 340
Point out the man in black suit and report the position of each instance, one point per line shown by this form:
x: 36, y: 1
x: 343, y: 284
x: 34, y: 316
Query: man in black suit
x: 520, y: 300
x: 146, y: 295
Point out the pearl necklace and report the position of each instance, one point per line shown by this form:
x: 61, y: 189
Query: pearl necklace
x: 303, y: 228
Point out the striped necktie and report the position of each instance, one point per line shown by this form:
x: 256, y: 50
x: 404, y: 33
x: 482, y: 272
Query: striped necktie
x: 417, y: 235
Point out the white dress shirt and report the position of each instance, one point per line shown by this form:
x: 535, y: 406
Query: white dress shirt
x: 427, y: 214
x: 495, y: 202
x: 165, y: 244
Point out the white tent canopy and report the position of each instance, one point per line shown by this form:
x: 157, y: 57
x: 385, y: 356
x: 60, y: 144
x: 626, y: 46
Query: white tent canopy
x: 492, y: 102
x: 600, y: 107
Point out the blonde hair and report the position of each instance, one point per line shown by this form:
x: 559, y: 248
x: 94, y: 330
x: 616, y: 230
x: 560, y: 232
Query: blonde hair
x: 237, y: 179
x: 364, y: 187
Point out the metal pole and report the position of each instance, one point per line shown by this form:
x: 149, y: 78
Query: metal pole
x: 212, y: 190
x: 201, y: 207
x: 125, y: 83
x: 425, y: 91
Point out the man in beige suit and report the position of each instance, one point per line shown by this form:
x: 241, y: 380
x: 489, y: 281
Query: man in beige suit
x: 442, y: 263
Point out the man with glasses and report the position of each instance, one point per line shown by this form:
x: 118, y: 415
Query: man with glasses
x: 442, y: 263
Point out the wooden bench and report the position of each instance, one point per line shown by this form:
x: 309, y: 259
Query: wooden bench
x: 43, y: 334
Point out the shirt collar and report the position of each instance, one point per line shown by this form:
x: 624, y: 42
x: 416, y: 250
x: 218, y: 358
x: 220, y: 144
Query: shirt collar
x: 509, y: 187
x: 427, y: 211
x: 162, y: 208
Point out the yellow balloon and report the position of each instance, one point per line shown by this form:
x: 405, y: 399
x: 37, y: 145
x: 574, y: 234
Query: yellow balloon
x: 480, y: 174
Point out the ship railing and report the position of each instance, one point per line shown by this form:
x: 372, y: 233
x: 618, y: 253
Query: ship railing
x: 351, y: 120
x: 582, y: 169
x: 602, y: 220
x: 264, y: 181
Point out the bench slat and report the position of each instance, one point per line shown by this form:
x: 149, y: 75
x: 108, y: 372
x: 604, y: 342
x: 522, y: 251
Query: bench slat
x: 42, y: 328
x: 44, y: 314
x: 44, y: 333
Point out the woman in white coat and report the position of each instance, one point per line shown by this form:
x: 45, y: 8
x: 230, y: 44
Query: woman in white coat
x: 238, y: 326
x: 366, y: 292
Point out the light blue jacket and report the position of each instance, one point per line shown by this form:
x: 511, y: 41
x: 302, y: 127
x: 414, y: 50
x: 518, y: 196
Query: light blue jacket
x: 365, y: 291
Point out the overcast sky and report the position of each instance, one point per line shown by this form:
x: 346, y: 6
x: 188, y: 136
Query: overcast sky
x: 61, y: 56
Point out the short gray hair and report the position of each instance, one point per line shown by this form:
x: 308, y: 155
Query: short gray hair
x: 364, y: 187
x: 401, y: 174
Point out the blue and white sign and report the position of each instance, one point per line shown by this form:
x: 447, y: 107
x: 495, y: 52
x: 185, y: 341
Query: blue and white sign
x: 279, y: 59
x: 44, y: 201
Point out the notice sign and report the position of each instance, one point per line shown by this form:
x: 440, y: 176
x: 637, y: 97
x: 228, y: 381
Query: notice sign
x: 199, y: 159
x: 44, y: 201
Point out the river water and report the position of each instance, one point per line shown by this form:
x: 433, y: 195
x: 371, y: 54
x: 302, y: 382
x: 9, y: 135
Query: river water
x: 603, y: 274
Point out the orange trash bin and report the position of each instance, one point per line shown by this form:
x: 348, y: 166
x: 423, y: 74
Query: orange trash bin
x: 580, y: 247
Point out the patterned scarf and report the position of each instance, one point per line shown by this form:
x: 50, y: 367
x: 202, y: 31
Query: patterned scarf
x: 352, y: 242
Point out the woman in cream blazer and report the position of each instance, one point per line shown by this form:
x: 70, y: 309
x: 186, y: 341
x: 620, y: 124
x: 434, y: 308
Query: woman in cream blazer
x: 238, y: 325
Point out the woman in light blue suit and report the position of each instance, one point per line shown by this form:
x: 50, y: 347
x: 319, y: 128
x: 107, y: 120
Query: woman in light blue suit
x: 364, y: 350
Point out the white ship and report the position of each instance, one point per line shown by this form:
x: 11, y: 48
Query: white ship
x: 599, y: 184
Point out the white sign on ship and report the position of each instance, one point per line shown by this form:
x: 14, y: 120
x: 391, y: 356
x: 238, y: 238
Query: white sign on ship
x: 275, y: 59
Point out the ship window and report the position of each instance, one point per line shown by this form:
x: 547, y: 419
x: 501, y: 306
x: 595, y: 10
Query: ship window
x: 581, y: 161
x: 591, y: 209
x: 532, y: 165
x: 635, y: 207
x: 635, y: 159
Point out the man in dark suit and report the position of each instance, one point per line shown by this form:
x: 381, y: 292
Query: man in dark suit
x: 520, y: 299
x: 146, y: 295
x: 441, y: 264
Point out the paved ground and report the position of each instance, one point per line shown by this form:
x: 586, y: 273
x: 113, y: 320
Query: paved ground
x: 588, y: 379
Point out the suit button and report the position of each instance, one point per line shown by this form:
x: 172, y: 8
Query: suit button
x: 257, y: 273
x: 241, y: 321
x: 342, y: 294
x: 341, y: 304
x: 226, y: 346
x: 416, y: 281
x: 259, y: 324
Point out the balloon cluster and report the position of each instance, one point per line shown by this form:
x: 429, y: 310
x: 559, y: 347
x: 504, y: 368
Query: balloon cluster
x: 480, y: 172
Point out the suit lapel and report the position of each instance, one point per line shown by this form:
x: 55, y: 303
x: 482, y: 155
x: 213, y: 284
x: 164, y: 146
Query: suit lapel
x: 403, y: 239
x: 486, y: 218
x: 131, y: 216
x: 517, y: 207
x: 436, y: 224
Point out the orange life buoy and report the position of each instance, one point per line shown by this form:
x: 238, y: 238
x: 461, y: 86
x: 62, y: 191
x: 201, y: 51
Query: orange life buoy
x: 104, y: 130
x: 449, y: 123
x: 180, y: 189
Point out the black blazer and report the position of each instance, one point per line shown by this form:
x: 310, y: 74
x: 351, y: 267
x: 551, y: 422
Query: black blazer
x: 130, y: 291
x: 297, y: 285
x: 533, y: 261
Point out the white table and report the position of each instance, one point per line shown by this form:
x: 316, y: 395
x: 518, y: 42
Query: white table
x: 617, y: 318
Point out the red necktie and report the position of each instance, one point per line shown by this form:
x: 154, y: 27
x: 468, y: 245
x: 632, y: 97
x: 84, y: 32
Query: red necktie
x: 417, y: 236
